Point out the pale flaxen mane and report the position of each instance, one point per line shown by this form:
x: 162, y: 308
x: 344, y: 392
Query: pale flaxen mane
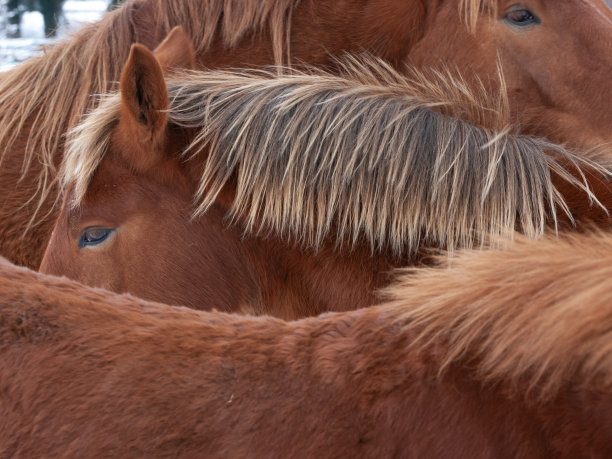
x: 352, y: 156
x: 471, y: 10
x: 51, y: 92
x: 537, y: 314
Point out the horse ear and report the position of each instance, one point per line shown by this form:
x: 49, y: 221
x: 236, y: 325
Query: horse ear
x: 176, y: 51
x: 144, y: 101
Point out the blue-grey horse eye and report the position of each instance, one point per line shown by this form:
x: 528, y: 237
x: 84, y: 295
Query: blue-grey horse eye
x: 522, y: 18
x: 94, y: 236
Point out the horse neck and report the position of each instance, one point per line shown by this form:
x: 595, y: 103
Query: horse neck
x: 26, y: 217
x: 297, y: 282
x: 578, y: 422
x: 264, y: 274
x: 319, y: 30
x: 271, y: 275
x: 276, y: 275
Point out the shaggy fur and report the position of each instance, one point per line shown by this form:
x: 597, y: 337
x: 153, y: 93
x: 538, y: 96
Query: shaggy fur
x: 96, y: 56
x: 43, y: 98
x: 234, y: 19
x: 447, y: 369
x: 69, y: 72
x: 539, y: 319
x: 359, y: 155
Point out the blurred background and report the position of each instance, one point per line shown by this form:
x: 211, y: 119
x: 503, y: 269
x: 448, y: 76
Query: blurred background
x: 27, y: 24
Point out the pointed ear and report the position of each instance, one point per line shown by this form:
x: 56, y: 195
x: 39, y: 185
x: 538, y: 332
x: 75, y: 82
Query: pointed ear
x: 144, y: 101
x: 176, y: 51
x: 143, y: 89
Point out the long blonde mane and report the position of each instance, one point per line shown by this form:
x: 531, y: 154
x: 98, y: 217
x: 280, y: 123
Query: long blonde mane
x: 48, y: 94
x: 362, y: 155
x: 535, y: 315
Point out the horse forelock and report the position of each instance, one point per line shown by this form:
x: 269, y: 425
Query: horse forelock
x: 87, y: 145
x: 535, y: 315
x: 359, y: 155
x: 39, y: 95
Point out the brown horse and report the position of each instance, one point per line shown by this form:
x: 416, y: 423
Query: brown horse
x: 561, y: 98
x: 330, y: 182
x: 506, y: 354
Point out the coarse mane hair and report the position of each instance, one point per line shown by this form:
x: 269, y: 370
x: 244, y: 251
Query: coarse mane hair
x: 536, y: 315
x: 92, y: 59
x: 358, y: 155
x: 41, y: 91
x: 471, y: 10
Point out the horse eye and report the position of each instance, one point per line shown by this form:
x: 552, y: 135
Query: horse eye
x: 522, y: 18
x: 94, y: 236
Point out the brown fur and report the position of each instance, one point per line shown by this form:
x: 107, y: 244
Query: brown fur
x: 505, y: 354
x: 277, y: 157
x: 569, y: 107
x: 540, y: 320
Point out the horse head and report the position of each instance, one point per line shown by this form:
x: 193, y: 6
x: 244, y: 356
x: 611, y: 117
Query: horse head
x: 135, y: 194
x: 554, y: 56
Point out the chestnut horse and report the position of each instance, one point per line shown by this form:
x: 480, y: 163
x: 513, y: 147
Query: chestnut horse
x: 562, y: 98
x: 331, y: 182
x: 505, y: 354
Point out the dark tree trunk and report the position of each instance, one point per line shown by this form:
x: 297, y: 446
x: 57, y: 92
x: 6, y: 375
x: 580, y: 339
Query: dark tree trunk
x: 14, y: 10
x: 51, y: 11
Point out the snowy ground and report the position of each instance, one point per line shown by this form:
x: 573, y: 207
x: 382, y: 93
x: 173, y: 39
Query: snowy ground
x: 76, y: 12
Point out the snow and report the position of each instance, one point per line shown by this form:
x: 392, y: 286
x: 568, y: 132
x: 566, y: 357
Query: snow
x: 95, y: 5
x: 13, y: 51
x: 32, y: 25
x: 76, y: 13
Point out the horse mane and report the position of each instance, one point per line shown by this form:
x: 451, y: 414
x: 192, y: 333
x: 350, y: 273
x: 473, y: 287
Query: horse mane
x: 41, y: 91
x: 358, y: 155
x: 470, y: 11
x: 536, y: 315
x: 234, y: 20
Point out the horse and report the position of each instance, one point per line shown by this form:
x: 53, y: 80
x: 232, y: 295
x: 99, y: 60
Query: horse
x: 562, y: 99
x: 309, y: 189
x: 506, y: 353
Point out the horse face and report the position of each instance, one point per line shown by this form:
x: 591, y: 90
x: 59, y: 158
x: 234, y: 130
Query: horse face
x: 555, y: 57
x: 124, y: 226
x: 137, y: 207
x: 133, y: 233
